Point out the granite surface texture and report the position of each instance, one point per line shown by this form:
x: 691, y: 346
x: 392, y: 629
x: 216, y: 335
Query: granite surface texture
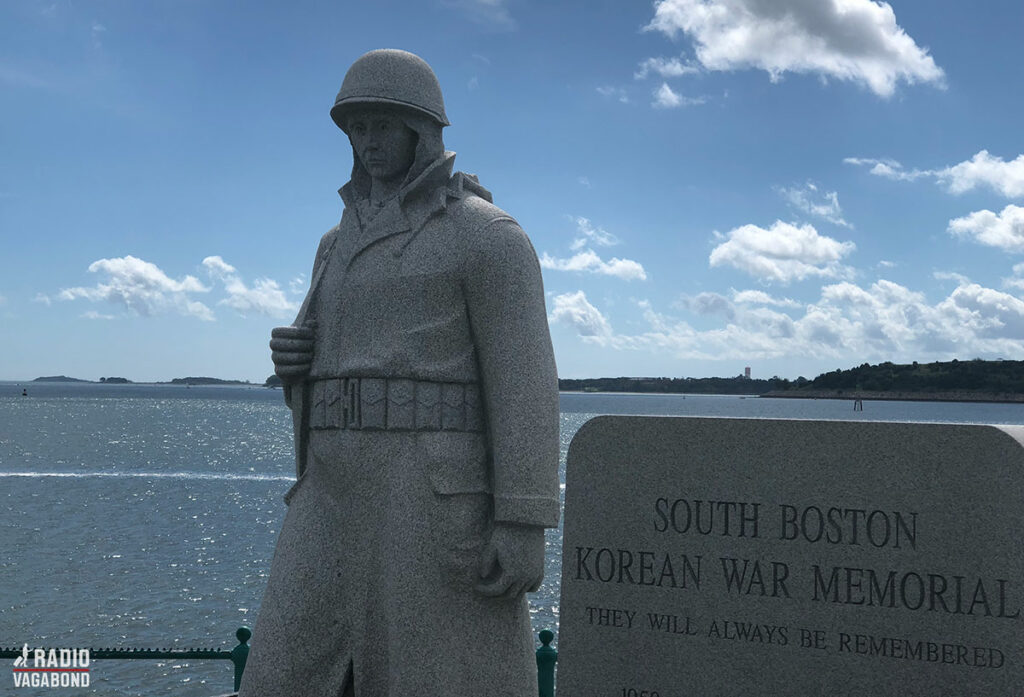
x: 423, y: 387
x: 708, y: 556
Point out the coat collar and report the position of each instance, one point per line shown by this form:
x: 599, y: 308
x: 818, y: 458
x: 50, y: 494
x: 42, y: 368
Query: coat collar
x: 434, y: 176
x: 417, y: 201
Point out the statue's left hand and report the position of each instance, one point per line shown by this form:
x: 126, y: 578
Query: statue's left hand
x: 513, y: 561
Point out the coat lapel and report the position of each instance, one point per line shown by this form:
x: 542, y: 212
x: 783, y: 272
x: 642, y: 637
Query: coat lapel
x: 417, y: 203
x: 390, y: 221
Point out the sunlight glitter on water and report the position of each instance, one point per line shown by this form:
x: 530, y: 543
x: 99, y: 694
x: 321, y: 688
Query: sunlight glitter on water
x: 157, y: 475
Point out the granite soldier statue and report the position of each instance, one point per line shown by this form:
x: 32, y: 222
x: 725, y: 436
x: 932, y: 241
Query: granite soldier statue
x: 423, y: 388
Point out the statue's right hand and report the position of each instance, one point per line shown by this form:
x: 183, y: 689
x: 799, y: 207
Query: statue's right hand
x: 291, y: 349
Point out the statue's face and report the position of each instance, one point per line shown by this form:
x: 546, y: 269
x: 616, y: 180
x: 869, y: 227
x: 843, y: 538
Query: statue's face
x: 383, y: 143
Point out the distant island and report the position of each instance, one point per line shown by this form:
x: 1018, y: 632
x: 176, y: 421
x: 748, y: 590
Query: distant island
x: 125, y: 381
x: 204, y: 381
x: 957, y: 381
x: 59, y: 378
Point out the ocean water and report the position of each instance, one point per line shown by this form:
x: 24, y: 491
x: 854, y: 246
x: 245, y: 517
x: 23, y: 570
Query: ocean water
x: 146, y: 516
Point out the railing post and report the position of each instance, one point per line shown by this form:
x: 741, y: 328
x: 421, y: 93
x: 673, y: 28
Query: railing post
x: 240, y: 653
x: 546, y: 658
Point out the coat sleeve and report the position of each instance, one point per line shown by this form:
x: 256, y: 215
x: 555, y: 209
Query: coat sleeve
x: 326, y: 242
x: 505, y: 302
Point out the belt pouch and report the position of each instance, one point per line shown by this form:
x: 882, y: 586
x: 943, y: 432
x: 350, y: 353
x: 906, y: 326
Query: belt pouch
x: 451, y: 407
x: 373, y: 403
x: 472, y: 411
x: 316, y: 405
x: 428, y: 402
x: 401, y: 407
x: 332, y: 404
x: 350, y: 403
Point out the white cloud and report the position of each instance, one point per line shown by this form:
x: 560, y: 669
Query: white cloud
x: 1017, y: 281
x: 574, y: 309
x: 613, y: 93
x: 890, y: 169
x: 490, y: 13
x: 1006, y: 178
x: 98, y: 30
x: 667, y: 98
x: 759, y: 297
x: 584, y: 182
x: 886, y: 264
x: 821, y: 204
x: 265, y: 297
x: 1003, y: 177
x: 589, y: 261
x: 883, y: 321
x: 783, y: 253
x: 708, y: 304
x: 43, y: 298
x: 218, y: 267
x: 298, y: 285
x: 1004, y: 230
x: 665, y: 67
x: 958, y: 278
x: 587, y: 233
x: 92, y: 314
x: 993, y: 314
x: 143, y: 288
x: 146, y: 290
x: 856, y: 40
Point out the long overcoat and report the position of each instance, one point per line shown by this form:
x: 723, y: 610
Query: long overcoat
x: 433, y: 305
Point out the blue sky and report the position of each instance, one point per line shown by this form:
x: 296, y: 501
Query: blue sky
x: 791, y: 185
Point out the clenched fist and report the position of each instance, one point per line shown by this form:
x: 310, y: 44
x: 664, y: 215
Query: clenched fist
x: 513, y: 561
x: 291, y: 349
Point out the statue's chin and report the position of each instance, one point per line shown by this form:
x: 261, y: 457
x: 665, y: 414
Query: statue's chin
x: 381, y: 172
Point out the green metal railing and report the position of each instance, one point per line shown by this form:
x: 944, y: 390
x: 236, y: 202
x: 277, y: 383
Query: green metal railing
x: 237, y: 655
x: 546, y: 657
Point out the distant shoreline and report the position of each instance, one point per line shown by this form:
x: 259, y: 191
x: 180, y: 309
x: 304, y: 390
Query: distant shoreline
x: 964, y: 396
x: 948, y: 396
x: 850, y: 395
x: 190, y: 381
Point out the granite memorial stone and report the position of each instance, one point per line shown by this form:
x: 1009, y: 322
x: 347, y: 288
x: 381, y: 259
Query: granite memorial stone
x: 423, y: 390
x: 708, y: 556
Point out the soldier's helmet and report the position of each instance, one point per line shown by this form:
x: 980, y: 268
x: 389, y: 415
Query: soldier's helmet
x: 392, y: 77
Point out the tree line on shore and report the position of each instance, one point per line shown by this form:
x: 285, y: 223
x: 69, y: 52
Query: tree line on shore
x: 994, y: 377
x: 974, y: 376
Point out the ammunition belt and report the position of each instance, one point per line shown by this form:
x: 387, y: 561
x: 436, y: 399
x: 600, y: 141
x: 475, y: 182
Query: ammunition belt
x: 390, y: 404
